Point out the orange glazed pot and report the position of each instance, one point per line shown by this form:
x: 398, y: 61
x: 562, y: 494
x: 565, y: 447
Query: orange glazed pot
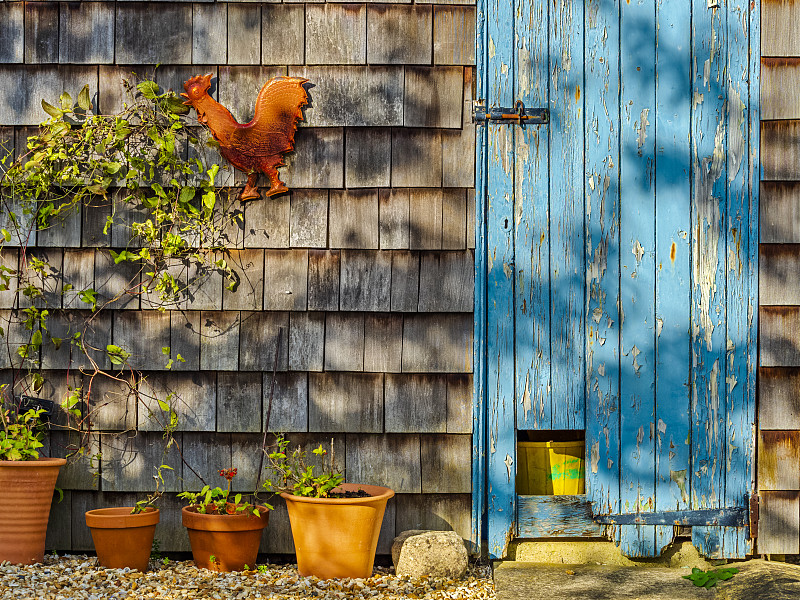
x: 122, y: 539
x: 27, y: 492
x: 232, y: 540
x: 337, y: 537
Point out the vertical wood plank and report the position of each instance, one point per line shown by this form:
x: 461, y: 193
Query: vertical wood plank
x: 365, y: 280
x: 289, y: 402
x: 446, y: 282
x: 425, y: 219
x: 248, y: 291
x: 394, y: 218
x: 454, y: 219
x: 308, y: 222
x: 673, y: 168
x: 390, y: 460
x: 778, y: 460
x: 353, y: 219
x: 567, y: 214
x: 602, y: 243
x: 459, y: 404
x: 739, y: 397
x: 532, y: 278
x: 708, y: 281
x: 446, y: 464
x: 637, y: 274
x: 501, y: 465
x: 779, y: 395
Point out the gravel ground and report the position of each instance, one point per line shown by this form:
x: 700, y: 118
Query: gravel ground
x: 72, y: 577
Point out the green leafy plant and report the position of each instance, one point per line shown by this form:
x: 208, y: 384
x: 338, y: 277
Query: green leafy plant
x: 218, y: 501
x: 155, y: 495
x: 291, y: 473
x: 262, y: 568
x: 22, y: 433
x: 709, y: 579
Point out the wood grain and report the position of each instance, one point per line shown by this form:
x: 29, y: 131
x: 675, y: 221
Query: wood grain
x: 416, y: 404
x: 350, y: 402
x: 446, y: 462
x: 389, y: 460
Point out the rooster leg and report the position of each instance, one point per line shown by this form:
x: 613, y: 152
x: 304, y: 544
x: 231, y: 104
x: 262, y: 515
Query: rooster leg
x: 276, y: 185
x: 250, y: 191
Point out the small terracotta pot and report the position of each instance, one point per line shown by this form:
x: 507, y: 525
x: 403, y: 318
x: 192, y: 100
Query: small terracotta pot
x: 27, y: 492
x: 122, y: 539
x: 232, y: 540
x: 337, y: 537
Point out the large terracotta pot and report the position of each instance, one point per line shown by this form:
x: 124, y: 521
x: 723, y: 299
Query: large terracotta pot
x: 122, y: 539
x: 232, y: 540
x: 337, y: 537
x: 26, y: 492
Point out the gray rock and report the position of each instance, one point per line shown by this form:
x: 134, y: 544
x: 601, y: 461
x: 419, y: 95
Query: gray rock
x: 417, y: 553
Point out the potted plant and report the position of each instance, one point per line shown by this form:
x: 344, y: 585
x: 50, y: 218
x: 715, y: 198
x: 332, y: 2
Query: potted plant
x: 335, y: 525
x: 224, y: 535
x: 27, y: 480
x: 123, y: 536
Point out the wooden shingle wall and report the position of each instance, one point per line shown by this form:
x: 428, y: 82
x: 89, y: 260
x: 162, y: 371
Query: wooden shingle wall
x: 779, y: 272
x: 365, y: 268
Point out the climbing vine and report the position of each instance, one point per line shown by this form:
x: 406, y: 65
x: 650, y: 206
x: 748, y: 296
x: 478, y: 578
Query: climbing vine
x: 147, y: 167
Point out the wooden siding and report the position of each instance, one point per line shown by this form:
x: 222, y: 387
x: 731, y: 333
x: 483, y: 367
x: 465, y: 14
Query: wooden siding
x: 361, y: 277
x: 779, y: 373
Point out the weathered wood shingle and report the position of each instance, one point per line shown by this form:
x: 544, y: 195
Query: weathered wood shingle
x: 368, y: 157
x: 323, y: 279
x: 141, y: 38
x: 244, y: 34
x: 32, y: 83
x: 308, y: 224
x: 780, y: 150
x: 416, y: 158
x: 219, y: 340
x: 353, y: 219
x: 416, y: 404
x: 454, y: 35
x: 41, y: 32
x: 344, y: 342
x: 248, y: 290
x: 86, y: 33
x: 779, y: 212
x: 318, y: 159
x: 390, y: 29
x: 390, y: 460
x: 433, y: 97
x: 365, y: 283
x: 779, y: 36
x: 264, y: 335
x: 285, y: 279
x: 778, y: 458
x: 437, y: 343
x: 345, y: 402
x: 447, y: 467
x: 209, y: 33
x: 779, y: 393
x: 282, y: 34
x: 12, y: 32
x: 777, y: 76
x: 336, y: 34
x: 239, y: 402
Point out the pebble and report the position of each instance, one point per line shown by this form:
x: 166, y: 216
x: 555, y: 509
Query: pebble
x: 76, y: 577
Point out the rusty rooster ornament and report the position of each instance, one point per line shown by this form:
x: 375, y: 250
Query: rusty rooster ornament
x: 257, y: 146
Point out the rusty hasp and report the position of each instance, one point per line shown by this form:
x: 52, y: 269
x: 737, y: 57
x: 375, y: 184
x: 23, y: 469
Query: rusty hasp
x: 520, y: 114
x: 257, y: 146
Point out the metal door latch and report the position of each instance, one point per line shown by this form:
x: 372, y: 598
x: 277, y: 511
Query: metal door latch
x: 519, y: 114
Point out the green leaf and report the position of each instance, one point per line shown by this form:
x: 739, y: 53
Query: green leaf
x: 149, y: 89
x: 51, y: 110
x: 163, y: 406
x: 66, y: 101
x: 116, y: 355
x: 187, y: 194
x: 175, y: 105
x: 83, y: 99
x: 6, y: 235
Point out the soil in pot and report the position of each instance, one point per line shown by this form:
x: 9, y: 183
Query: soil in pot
x: 337, y: 537
x: 122, y: 539
x: 232, y: 540
x: 28, y: 487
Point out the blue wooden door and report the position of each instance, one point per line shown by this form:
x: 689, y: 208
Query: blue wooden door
x: 616, y: 256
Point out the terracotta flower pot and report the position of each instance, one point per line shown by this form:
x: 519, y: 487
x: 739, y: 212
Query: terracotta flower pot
x: 122, y: 539
x: 337, y: 537
x: 232, y: 540
x: 27, y: 492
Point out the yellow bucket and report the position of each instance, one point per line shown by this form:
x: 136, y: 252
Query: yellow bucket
x: 550, y: 468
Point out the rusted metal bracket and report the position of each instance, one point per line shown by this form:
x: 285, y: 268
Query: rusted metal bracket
x: 754, y: 506
x: 727, y: 517
x: 519, y: 115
